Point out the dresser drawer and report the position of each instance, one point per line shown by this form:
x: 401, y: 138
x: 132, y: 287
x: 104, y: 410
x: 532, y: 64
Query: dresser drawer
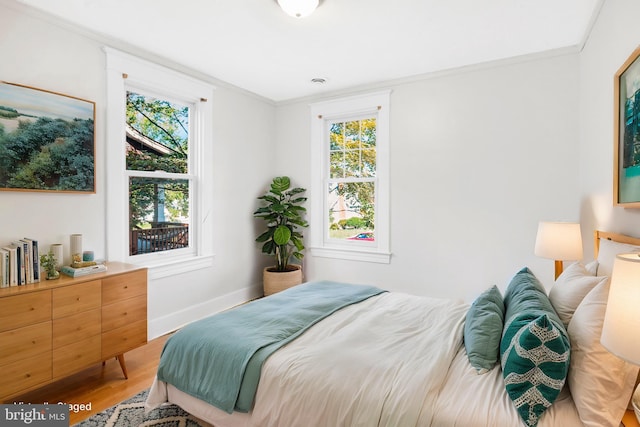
x: 25, y: 309
x: 73, y: 357
x: 24, y: 374
x: 70, y: 329
x: 124, y: 286
x: 25, y: 342
x: 76, y: 298
x: 124, y: 312
x: 121, y: 340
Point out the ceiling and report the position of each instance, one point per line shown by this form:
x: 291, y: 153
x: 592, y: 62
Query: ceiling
x: 254, y: 45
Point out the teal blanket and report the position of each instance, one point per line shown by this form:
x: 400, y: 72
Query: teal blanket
x: 218, y: 359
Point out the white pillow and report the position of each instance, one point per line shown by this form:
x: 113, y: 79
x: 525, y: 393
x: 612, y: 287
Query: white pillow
x: 592, y: 267
x: 601, y: 384
x: 607, y: 254
x: 570, y: 288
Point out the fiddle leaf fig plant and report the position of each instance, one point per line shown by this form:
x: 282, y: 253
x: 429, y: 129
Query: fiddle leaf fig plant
x: 283, y: 214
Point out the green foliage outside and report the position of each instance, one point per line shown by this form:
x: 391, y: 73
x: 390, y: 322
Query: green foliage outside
x: 47, y: 154
x: 167, y: 124
x: 352, y: 156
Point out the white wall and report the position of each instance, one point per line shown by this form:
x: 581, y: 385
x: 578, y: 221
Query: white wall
x: 614, y: 36
x: 478, y: 157
x: 42, y: 53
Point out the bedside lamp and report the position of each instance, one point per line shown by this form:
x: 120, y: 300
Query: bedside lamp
x: 559, y: 241
x: 622, y: 318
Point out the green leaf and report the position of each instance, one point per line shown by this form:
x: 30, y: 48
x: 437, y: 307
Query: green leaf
x: 265, y: 236
x: 276, y: 207
x: 269, y: 247
x: 280, y: 184
x: 296, y: 190
x: 281, y: 235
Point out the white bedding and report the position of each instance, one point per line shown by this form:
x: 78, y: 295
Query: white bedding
x: 392, y: 360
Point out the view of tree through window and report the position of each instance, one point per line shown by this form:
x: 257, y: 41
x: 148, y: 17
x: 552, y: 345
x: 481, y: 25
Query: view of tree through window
x: 157, y: 160
x: 352, y: 172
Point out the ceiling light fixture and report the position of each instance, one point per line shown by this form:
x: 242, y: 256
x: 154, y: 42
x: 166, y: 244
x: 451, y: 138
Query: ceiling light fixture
x: 298, y: 8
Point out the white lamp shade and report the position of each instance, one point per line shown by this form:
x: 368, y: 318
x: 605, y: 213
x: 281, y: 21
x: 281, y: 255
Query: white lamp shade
x: 298, y: 8
x: 559, y: 241
x: 622, y: 318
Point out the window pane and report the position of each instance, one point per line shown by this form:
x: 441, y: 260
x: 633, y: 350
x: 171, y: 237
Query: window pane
x: 336, y: 164
x: 352, y: 134
x: 157, y: 134
x: 336, y: 136
x: 352, y: 163
x: 368, y: 134
x: 158, y: 214
x: 368, y: 163
x: 352, y: 211
x: 352, y: 149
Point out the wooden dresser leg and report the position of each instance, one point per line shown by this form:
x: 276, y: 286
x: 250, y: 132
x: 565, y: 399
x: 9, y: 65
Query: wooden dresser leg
x: 123, y: 365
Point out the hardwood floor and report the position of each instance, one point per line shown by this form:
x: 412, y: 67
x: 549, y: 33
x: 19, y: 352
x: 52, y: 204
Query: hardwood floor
x: 102, y: 386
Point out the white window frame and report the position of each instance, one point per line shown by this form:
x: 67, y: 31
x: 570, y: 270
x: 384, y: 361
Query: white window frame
x: 129, y: 73
x: 372, y: 104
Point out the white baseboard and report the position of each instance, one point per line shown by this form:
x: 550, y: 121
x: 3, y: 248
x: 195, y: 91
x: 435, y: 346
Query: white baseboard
x: 173, y: 321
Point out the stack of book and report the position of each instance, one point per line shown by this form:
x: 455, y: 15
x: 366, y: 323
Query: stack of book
x: 19, y: 263
x: 83, y: 271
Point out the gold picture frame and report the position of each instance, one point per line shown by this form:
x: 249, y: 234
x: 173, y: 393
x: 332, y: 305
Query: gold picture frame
x: 626, y: 157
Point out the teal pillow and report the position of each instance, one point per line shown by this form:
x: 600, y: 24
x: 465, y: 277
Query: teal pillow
x: 535, y: 349
x: 483, y: 330
x: 525, y: 294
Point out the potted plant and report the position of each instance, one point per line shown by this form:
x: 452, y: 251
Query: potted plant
x: 48, y: 262
x: 283, y: 212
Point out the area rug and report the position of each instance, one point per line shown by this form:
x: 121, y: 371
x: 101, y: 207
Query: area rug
x: 130, y: 413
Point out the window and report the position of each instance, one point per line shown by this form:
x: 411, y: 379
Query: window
x: 157, y: 162
x: 350, y: 201
x: 159, y: 127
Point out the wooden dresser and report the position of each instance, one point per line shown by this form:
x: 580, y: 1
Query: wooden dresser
x: 54, y: 328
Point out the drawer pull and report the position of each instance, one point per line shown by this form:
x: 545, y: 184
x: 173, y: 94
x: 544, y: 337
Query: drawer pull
x: 78, y: 299
x: 126, y: 286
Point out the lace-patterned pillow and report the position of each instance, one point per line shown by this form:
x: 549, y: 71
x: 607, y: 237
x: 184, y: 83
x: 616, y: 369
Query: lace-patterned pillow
x: 535, y: 348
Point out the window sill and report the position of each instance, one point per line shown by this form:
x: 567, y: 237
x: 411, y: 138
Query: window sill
x: 352, y: 254
x: 174, y: 267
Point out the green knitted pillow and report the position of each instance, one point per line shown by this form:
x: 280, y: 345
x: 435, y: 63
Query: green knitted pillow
x: 534, y: 349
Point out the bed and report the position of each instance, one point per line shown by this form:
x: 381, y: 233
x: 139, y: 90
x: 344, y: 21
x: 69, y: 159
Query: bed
x: 378, y: 358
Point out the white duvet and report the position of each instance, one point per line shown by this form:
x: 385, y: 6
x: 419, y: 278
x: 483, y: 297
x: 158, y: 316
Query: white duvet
x: 381, y: 362
x: 377, y: 363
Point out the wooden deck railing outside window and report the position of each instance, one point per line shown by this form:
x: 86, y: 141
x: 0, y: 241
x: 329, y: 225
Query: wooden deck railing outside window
x: 161, y: 237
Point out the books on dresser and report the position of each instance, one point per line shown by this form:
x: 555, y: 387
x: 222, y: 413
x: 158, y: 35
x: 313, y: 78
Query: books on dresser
x: 19, y: 263
x: 82, y: 271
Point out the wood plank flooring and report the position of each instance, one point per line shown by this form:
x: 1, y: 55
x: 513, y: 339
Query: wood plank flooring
x: 102, y: 386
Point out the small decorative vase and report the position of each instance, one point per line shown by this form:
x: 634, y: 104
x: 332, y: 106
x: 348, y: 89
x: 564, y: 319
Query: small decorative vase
x: 53, y: 275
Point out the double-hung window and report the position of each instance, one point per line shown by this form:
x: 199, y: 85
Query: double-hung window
x: 350, y: 183
x: 159, y: 126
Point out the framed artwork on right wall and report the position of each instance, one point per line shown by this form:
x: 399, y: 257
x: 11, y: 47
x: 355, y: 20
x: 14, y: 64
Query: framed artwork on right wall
x: 626, y: 153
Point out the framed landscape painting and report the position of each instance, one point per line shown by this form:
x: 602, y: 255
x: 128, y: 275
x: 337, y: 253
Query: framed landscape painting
x: 47, y: 141
x: 626, y: 182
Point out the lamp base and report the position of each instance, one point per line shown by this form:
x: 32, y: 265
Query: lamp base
x: 559, y: 267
